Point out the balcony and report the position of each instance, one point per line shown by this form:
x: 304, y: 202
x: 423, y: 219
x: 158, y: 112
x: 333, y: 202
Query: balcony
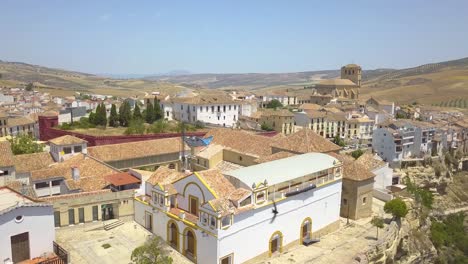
x: 184, y: 215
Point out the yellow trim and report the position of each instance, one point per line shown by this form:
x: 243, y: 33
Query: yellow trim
x: 190, y: 204
x: 302, y: 225
x: 194, y: 242
x: 211, y: 205
x: 280, y: 249
x: 206, y: 185
x: 196, y: 184
x: 177, y: 247
x: 141, y: 201
x: 160, y: 186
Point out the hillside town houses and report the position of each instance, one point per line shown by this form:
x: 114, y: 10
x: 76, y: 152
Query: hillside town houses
x: 284, y: 174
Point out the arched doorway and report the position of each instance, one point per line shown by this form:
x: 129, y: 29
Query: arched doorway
x: 276, y: 243
x: 190, y: 244
x: 306, y: 230
x: 173, y: 235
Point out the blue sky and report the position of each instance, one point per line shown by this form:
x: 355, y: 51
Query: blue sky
x: 144, y: 37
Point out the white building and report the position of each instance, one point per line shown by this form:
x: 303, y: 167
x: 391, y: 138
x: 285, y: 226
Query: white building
x: 214, y: 218
x: 215, y: 110
x: 26, y: 227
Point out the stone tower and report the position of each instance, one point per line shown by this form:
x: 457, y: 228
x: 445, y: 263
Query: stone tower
x: 352, y: 72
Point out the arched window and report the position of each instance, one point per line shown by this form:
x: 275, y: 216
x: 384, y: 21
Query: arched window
x: 306, y: 230
x: 190, y: 244
x: 173, y: 235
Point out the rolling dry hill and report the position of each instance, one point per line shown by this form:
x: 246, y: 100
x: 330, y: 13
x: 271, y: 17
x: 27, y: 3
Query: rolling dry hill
x: 429, y: 84
x: 62, y: 82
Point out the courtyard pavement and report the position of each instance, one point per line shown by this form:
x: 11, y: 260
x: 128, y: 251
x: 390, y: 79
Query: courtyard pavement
x: 84, y: 243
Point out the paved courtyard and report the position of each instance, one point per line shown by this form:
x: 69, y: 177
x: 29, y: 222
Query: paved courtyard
x: 84, y: 243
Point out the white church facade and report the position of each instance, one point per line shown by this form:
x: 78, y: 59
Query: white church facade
x: 246, y: 213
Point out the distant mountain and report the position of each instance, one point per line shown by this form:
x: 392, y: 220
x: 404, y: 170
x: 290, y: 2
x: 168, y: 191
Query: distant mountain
x: 429, y: 83
x: 63, y: 82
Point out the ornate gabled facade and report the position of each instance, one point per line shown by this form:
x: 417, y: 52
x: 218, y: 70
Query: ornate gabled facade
x: 208, y: 216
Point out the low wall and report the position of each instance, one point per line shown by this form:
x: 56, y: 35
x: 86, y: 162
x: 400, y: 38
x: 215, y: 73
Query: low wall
x: 382, y: 195
x: 50, y: 133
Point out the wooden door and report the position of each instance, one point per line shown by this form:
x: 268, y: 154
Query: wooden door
x: 20, y: 247
x: 193, y: 205
x: 174, y: 235
x: 274, y: 245
x: 305, y: 231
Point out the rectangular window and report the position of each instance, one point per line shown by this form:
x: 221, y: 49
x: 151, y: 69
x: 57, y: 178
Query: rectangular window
x: 71, y: 216
x: 364, y: 200
x: 260, y: 197
x: 57, y: 219
x: 345, y: 201
x: 81, y: 215
x: 212, y: 222
x: 95, y: 213
x: 226, y: 221
x: 77, y: 149
x: 226, y: 259
x: 40, y: 185
x: 56, y: 182
x: 67, y: 150
x: 246, y: 201
x: 161, y: 200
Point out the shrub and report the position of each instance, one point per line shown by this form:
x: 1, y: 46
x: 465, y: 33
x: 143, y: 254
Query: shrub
x: 135, y: 127
x: 396, y: 207
x: 266, y: 127
x: 357, y: 153
x: 274, y: 104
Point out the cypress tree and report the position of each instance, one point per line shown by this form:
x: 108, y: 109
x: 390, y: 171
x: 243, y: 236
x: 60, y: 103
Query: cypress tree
x: 137, y: 113
x: 113, y: 118
x: 157, y: 112
x: 97, y: 116
x: 149, y: 114
x: 103, y: 114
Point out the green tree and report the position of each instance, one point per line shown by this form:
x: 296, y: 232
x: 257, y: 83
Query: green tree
x: 151, y: 252
x: 24, y: 144
x: 29, y: 87
x: 400, y: 115
x: 137, y: 112
x: 149, y: 117
x: 160, y: 126
x: 102, y: 115
x: 396, y: 207
x: 114, y: 117
x: 92, y: 118
x: 266, y: 127
x: 357, y: 153
x: 339, y: 141
x: 157, y: 113
x: 135, y: 127
x: 274, y: 104
x: 125, y: 114
x: 377, y: 222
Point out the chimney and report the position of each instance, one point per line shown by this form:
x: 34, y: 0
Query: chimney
x: 75, y: 173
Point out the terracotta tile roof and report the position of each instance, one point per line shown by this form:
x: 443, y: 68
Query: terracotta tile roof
x: 279, y: 112
x: 335, y: 82
x: 210, y: 151
x: 6, y: 155
x: 310, y: 107
x: 242, y: 141
x: 370, y: 162
x: 67, y: 140
x: 121, y: 178
x: 20, y: 121
x: 165, y: 177
x: 217, y: 182
x: 48, y: 113
x: 134, y: 150
x: 353, y: 170
x: 276, y: 156
x: 31, y: 162
x: 92, y: 173
x: 75, y: 195
x: 304, y: 141
x: 205, y: 99
x: 225, y: 166
x: 24, y: 189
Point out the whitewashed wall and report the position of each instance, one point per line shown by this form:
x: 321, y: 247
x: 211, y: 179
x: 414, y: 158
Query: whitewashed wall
x: 321, y: 205
x: 38, y: 221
